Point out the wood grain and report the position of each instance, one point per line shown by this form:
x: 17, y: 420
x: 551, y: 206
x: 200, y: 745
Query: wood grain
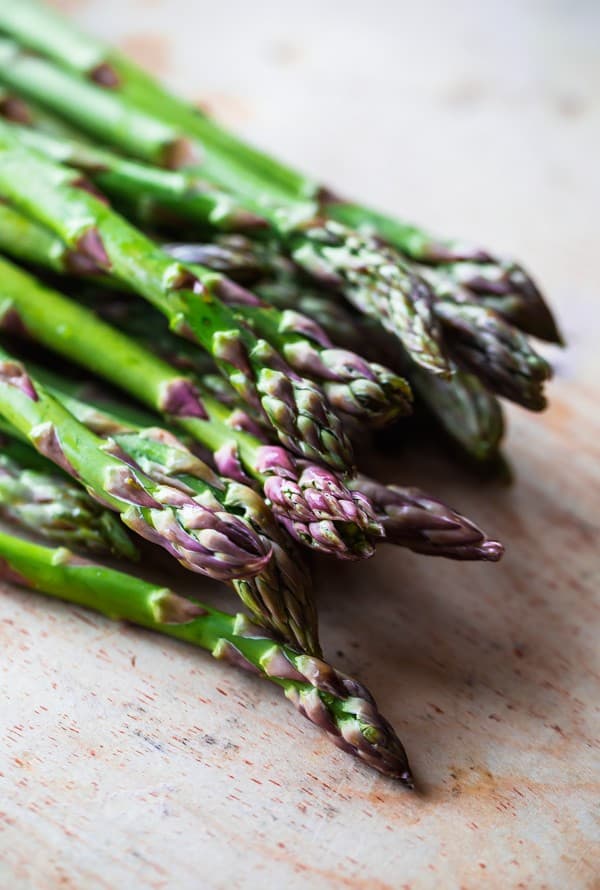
x: 128, y: 761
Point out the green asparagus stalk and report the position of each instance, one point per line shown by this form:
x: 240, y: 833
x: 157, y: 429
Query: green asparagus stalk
x: 203, y: 537
x: 333, y: 701
x: 309, y: 501
x: 503, y: 284
x: 368, y: 392
x: 57, y: 197
x: 470, y: 414
x: 280, y: 596
x: 36, y: 497
x: 373, y: 277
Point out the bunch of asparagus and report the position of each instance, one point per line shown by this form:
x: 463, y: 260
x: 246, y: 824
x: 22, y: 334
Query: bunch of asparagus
x: 242, y: 313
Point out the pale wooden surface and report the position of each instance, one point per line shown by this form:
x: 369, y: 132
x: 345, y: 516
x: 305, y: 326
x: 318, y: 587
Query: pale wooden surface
x: 126, y: 761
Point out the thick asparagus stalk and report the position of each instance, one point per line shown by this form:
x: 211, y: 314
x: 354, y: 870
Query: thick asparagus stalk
x: 463, y: 406
x: 333, y: 701
x: 503, y: 284
x: 57, y: 197
x: 204, y: 538
x: 367, y: 391
x: 374, y: 278
x: 310, y: 501
x: 42, y: 501
x: 465, y: 409
x: 280, y: 595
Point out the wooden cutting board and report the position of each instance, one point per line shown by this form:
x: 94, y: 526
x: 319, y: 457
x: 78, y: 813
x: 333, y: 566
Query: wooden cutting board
x: 130, y: 761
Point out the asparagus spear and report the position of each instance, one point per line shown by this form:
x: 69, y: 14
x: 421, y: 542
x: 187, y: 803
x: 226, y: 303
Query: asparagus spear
x: 413, y: 519
x: 57, y: 197
x: 204, y: 538
x: 36, y: 497
x: 308, y: 500
x: 374, y: 278
x: 333, y: 701
x: 152, y: 191
x: 464, y: 408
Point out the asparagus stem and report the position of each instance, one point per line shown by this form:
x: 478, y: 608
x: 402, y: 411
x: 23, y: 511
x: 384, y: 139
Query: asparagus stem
x: 308, y: 500
x: 203, y: 539
x: 42, y: 501
x: 372, y: 277
x: 503, y: 284
x: 330, y: 699
x: 150, y: 190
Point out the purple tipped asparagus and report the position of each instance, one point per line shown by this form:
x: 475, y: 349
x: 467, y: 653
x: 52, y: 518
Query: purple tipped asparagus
x: 413, y: 519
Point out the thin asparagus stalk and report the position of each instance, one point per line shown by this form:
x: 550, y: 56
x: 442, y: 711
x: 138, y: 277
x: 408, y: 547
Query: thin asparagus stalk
x: 203, y: 538
x: 57, y: 197
x: 333, y: 701
x: 280, y: 595
x: 368, y: 392
x: 373, y: 277
x: 36, y: 497
x: 308, y: 500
